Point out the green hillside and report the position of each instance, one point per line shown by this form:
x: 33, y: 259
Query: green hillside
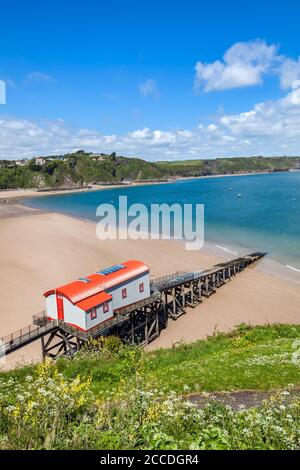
x: 76, y: 170
x: 81, y: 169
x: 224, y: 166
x: 112, y: 396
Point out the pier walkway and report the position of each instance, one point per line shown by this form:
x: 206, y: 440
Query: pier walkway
x: 140, y: 322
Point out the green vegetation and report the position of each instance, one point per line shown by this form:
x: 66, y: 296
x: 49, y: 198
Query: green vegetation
x: 248, y: 358
x: 225, y: 166
x: 76, y: 170
x: 81, y: 169
x: 112, y: 396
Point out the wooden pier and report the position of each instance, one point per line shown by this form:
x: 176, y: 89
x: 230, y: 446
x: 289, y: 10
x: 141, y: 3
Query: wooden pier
x: 139, y: 323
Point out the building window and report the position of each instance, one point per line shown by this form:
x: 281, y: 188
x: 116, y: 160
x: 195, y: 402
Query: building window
x: 105, y: 307
x: 124, y: 293
x: 141, y: 287
x: 93, y: 313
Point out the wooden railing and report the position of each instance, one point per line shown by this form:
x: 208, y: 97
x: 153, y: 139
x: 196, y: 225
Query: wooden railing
x: 140, y: 304
x: 95, y: 331
x: 26, y: 335
x: 166, y: 278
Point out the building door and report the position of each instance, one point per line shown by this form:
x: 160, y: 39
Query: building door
x: 60, y: 307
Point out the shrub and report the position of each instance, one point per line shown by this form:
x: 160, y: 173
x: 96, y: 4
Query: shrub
x: 39, y: 412
x: 58, y: 406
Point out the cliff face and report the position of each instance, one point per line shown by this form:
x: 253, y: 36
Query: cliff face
x: 80, y: 169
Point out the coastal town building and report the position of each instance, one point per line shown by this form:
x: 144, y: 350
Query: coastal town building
x: 91, y: 300
x: 40, y: 161
x: 21, y: 162
x: 98, y: 156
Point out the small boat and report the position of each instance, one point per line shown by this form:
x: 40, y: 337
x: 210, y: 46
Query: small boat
x: 239, y: 195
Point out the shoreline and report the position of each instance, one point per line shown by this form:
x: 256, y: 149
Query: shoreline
x: 229, y: 174
x: 270, y: 265
x: 44, y: 250
x: 14, y: 206
x: 19, y: 194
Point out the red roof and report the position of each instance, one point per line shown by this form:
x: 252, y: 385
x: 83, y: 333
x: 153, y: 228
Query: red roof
x: 99, y: 282
x: 94, y: 301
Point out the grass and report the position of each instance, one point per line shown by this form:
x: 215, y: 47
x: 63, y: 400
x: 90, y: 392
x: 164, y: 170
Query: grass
x: 248, y: 358
x: 111, y: 396
x: 258, y: 358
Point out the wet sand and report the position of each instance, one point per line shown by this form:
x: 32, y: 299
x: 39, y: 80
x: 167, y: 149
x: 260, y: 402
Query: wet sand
x: 43, y: 250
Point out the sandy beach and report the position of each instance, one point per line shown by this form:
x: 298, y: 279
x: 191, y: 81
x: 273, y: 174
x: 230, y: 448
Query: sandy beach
x: 43, y: 250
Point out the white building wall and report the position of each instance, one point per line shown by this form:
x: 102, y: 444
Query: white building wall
x: 74, y: 315
x: 133, y: 292
x: 51, y: 307
x: 101, y: 316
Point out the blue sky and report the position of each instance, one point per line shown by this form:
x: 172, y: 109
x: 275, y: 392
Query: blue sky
x: 150, y: 78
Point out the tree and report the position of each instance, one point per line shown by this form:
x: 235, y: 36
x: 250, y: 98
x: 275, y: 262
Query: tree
x: 33, y: 166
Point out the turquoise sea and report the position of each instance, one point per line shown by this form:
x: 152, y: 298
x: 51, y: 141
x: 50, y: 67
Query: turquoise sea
x: 251, y: 212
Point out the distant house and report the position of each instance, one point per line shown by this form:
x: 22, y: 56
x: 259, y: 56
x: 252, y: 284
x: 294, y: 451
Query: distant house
x: 40, y: 161
x: 98, y: 156
x: 21, y: 162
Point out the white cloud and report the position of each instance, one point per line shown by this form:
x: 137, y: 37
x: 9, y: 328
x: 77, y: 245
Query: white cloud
x: 140, y: 134
x: 293, y: 98
x: 228, y: 138
x: 288, y: 71
x: 244, y: 64
x: 212, y: 128
x: 39, y: 77
x: 269, y: 128
x: 149, y: 88
x: 185, y: 133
